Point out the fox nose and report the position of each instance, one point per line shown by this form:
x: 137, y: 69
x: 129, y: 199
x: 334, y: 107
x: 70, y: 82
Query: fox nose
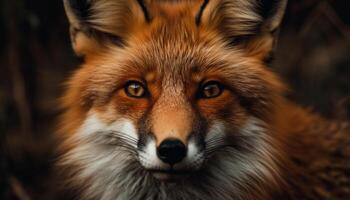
x: 171, y: 151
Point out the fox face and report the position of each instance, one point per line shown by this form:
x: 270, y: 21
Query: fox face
x: 173, y: 100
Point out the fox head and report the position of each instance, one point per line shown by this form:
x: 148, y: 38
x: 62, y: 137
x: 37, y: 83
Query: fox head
x: 173, y: 100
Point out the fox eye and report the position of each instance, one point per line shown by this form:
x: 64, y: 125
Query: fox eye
x: 135, y: 89
x: 211, y: 89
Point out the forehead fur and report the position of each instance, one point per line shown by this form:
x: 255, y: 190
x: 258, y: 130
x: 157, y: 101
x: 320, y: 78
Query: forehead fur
x: 171, y: 46
x: 174, y: 49
x: 172, y: 52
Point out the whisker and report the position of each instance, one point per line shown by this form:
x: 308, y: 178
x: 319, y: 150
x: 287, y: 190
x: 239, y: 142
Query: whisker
x: 219, y: 143
x: 215, y: 139
x: 118, y: 134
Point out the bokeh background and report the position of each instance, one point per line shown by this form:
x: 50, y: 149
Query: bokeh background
x: 313, y: 57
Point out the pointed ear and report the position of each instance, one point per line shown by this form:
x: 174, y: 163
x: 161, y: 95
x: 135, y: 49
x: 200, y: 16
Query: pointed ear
x: 93, y: 23
x: 252, y: 24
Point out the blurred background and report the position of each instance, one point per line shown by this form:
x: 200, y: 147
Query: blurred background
x: 313, y: 57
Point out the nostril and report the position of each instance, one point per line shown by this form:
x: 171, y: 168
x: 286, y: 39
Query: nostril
x: 171, y: 151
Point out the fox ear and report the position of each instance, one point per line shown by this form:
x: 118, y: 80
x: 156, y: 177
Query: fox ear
x: 93, y: 22
x: 252, y: 23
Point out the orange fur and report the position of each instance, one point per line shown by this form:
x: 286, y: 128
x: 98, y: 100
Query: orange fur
x: 173, y: 56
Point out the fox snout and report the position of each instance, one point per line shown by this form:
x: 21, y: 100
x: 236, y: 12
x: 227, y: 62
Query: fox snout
x: 171, y: 157
x: 174, y: 141
x: 171, y: 151
x: 173, y: 133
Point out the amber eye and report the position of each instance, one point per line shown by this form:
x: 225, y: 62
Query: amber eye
x: 135, y: 89
x: 211, y: 89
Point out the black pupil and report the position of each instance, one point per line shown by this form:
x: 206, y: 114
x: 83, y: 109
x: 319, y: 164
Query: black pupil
x: 135, y: 89
x: 211, y: 90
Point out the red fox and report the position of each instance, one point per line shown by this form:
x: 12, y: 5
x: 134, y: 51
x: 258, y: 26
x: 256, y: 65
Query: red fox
x: 175, y: 100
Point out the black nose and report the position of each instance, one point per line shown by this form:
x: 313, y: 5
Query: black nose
x: 171, y: 151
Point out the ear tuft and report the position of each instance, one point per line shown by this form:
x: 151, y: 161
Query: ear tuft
x: 96, y: 21
x: 272, y: 12
x: 250, y: 23
x: 243, y: 17
x: 81, y: 8
x: 77, y: 11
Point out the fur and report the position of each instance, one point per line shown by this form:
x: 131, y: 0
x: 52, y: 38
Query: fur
x: 118, y: 175
x: 247, y: 143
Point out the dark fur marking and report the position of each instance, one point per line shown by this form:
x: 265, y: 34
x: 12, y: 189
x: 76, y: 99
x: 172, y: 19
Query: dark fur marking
x: 200, y: 13
x: 81, y: 8
x: 238, y: 40
x: 145, y: 11
x: 105, y: 37
x: 143, y: 129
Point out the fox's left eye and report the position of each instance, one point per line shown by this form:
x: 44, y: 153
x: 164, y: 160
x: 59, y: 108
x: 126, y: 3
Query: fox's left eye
x: 135, y: 89
x: 211, y: 89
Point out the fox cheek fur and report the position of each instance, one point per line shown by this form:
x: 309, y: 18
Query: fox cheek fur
x: 174, y: 101
x: 137, y: 123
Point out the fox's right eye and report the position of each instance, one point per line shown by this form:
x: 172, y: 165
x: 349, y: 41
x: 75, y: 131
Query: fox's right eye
x: 135, y: 89
x: 210, y: 90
